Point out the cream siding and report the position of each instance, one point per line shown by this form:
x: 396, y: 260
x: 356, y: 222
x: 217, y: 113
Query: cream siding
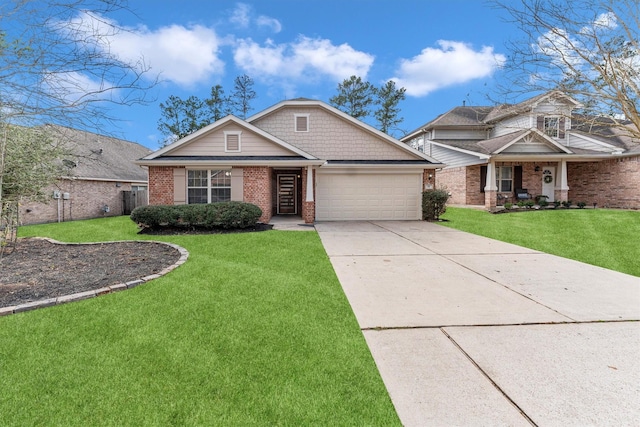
x: 213, y: 144
x: 512, y: 124
x: 453, y: 158
x: 530, y: 147
x: 478, y: 134
x: 576, y: 141
x: 330, y: 136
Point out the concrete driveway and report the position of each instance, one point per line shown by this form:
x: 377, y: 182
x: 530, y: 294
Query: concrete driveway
x: 469, y: 331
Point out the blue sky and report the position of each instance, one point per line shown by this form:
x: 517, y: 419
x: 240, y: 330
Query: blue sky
x: 441, y: 51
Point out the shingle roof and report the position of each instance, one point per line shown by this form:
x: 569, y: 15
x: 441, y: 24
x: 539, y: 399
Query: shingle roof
x: 101, y: 157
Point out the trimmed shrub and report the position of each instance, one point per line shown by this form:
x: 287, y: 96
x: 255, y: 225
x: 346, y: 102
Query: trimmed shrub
x: 434, y: 204
x: 212, y: 215
x: 581, y: 205
x: 508, y: 205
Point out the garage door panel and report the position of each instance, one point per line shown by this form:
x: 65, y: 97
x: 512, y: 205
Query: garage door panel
x: 368, y: 196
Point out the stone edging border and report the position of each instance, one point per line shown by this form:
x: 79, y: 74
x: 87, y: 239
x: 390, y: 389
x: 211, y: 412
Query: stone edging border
x: 184, y: 254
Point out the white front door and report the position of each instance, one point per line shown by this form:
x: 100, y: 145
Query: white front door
x: 549, y: 182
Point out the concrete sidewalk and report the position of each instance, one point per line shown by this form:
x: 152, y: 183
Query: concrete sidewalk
x: 471, y: 331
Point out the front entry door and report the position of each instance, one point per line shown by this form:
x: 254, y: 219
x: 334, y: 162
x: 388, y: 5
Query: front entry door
x: 549, y: 182
x: 287, y: 194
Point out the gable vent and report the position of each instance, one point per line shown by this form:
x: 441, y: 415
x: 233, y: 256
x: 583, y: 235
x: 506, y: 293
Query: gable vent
x: 302, y: 123
x: 232, y: 141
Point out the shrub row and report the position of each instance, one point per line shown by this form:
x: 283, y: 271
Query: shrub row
x: 212, y: 215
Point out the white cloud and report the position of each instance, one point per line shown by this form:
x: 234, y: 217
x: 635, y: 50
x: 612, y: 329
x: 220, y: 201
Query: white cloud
x: 304, y: 58
x: 243, y: 17
x: 240, y: 15
x: 451, y: 64
x: 183, y: 55
x: 272, y: 23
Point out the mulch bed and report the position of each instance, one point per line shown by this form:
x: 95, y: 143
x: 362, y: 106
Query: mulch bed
x: 38, y: 269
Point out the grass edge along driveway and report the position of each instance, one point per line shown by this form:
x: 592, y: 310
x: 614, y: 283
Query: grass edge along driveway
x: 604, y: 237
x: 253, y: 329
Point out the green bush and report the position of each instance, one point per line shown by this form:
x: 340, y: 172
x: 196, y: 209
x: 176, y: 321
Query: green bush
x: 434, y: 204
x: 529, y: 204
x: 567, y: 203
x: 543, y: 203
x: 581, y: 205
x: 508, y: 205
x: 212, y: 215
x: 557, y: 203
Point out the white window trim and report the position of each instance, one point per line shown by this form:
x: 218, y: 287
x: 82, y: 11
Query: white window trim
x: 209, y: 187
x: 227, y: 133
x: 546, y: 129
x: 295, y: 122
x: 499, y: 179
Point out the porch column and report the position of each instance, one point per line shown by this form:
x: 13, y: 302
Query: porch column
x: 490, y: 188
x: 564, y: 182
x: 309, y: 196
x: 308, y: 206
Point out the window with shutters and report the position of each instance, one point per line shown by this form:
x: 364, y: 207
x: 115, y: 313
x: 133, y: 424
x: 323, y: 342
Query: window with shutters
x: 301, y: 122
x: 232, y: 141
x: 552, y: 126
x: 208, y: 186
x: 504, y: 178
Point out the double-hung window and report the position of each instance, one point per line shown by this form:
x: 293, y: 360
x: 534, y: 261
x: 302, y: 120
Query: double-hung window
x: 504, y: 178
x: 208, y: 186
x: 552, y: 126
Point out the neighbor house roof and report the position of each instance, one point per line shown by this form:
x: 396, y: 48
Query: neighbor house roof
x: 92, y: 156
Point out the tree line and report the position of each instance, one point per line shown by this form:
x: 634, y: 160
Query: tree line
x: 356, y: 97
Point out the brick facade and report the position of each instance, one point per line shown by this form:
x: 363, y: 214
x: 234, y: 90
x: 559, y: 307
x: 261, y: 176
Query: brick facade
x: 161, y: 185
x: 610, y: 183
x: 87, y: 199
x: 258, y: 189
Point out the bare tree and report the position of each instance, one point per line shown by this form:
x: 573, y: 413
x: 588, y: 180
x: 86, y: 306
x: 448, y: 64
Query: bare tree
x: 57, y: 66
x: 585, y: 48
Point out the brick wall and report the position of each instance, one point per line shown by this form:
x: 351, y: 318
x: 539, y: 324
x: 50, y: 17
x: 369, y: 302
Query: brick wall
x: 611, y: 183
x: 161, y: 185
x: 454, y: 181
x: 86, y: 200
x: 257, y: 189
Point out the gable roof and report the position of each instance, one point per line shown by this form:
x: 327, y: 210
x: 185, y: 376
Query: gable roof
x: 99, y: 157
x: 499, y: 144
x: 163, y: 152
x: 508, y: 110
x: 303, y: 102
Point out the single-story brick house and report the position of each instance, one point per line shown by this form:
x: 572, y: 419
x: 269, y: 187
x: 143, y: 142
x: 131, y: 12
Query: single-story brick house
x: 539, y: 145
x: 101, y: 171
x: 299, y: 157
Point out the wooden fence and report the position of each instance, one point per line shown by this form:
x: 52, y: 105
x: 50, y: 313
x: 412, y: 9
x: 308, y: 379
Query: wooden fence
x: 133, y: 199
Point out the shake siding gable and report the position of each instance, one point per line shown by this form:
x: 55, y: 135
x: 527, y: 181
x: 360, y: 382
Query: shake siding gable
x: 213, y: 144
x: 332, y: 138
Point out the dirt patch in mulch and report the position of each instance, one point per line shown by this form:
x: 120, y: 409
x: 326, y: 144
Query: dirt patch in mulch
x: 38, y: 269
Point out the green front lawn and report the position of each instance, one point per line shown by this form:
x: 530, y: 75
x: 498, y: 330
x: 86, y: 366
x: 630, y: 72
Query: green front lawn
x: 253, y: 330
x: 603, y: 237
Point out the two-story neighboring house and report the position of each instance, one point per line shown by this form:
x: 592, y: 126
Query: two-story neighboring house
x: 299, y: 157
x: 537, y: 147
